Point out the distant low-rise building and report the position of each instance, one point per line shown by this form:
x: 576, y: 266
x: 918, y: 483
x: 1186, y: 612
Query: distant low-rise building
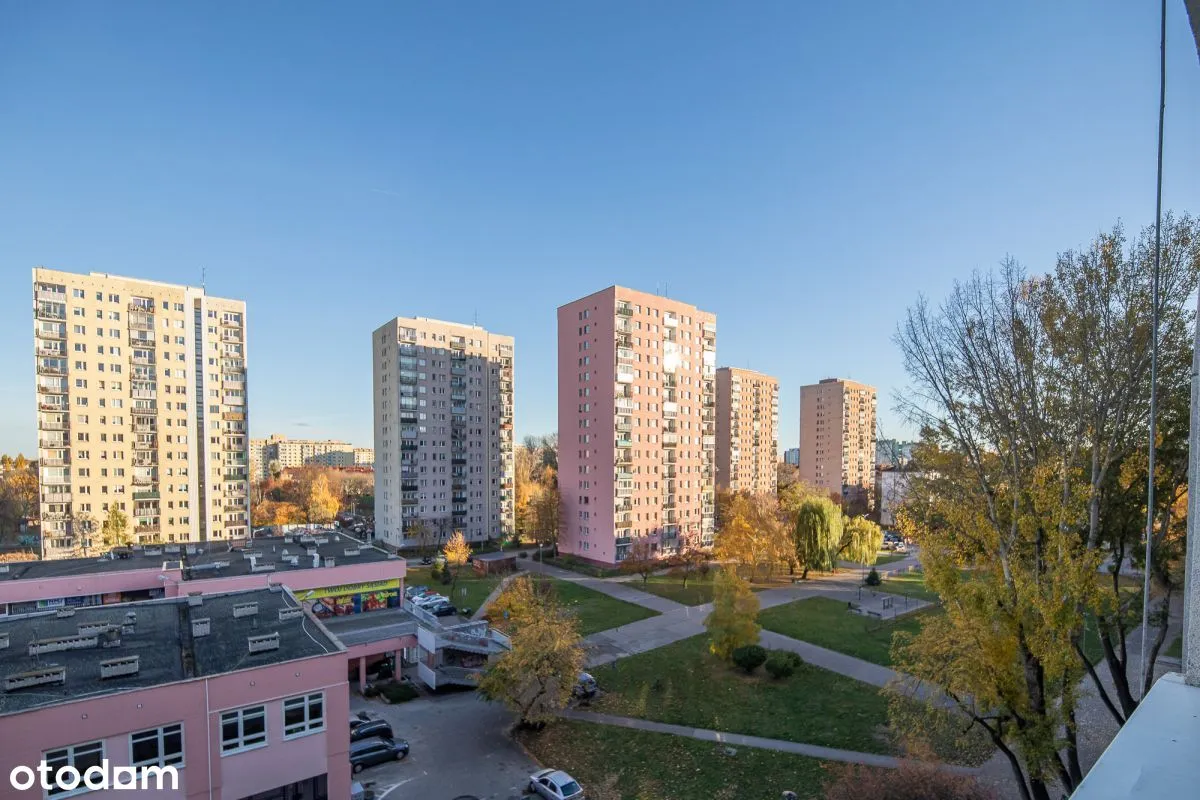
x: 291, y: 453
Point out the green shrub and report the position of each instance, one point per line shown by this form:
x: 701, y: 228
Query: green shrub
x: 522, y: 554
x: 782, y: 664
x: 873, y: 578
x: 435, y: 574
x: 398, y: 692
x: 749, y: 657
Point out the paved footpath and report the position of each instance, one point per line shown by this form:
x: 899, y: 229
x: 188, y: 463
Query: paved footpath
x: 780, y: 745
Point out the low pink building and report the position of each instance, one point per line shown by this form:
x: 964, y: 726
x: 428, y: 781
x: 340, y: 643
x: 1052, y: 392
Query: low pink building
x: 244, y: 693
x: 335, y: 576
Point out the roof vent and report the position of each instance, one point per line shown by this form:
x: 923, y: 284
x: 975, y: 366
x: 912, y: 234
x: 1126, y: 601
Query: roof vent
x: 190, y: 549
x: 250, y: 555
x: 312, y: 551
x: 131, y: 618
x: 116, y: 667
x: 93, y: 628
x: 245, y: 610
x: 171, y: 549
x: 290, y: 613
x: 35, y: 677
x: 263, y: 642
x: 3, y: 641
x: 195, y: 599
x: 274, y: 587
x: 3, y: 567
x: 152, y: 551
x: 330, y: 561
x: 63, y: 613
x: 289, y: 538
x: 293, y: 560
x: 59, y: 644
x: 169, y: 566
x: 350, y: 551
x: 201, y: 627
x: 268, y: 566
x: 321, y: 540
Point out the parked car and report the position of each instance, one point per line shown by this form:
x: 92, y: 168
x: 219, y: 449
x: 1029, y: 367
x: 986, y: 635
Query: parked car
x: 371, y: 729
x: 360, y: 718
x: 369, y: 752
x: 426, y: 561
x: 443, y: 610
x: 554, y: 784
x: 901, y: 547
x: 425, y: 601
x: 415, y: 591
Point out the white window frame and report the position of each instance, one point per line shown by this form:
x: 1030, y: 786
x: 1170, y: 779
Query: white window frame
x: 310, y: 724
x: 159, y: 735
x: 240, y: 715
x: 71, y: 754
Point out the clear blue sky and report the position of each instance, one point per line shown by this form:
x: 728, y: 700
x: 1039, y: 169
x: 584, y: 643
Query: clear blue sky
x: 803, y: 170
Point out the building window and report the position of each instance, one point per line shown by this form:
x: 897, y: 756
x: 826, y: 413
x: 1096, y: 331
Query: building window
x: 78, y: 758
x: 243, y: 729
x: 157, y: 746
x: 303, y: 715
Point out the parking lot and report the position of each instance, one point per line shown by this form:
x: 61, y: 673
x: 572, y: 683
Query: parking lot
x: 459, y: 746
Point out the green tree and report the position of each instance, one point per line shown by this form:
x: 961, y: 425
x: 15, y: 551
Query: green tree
x: 861, y: 541
x: 536, y: 677
x: 546, y: 510
x: 322, y: 504
x: 115, y: 530
x: 274, y: 468
x: 640, y: 560
x: 733, y: 620
x: 818, y: 535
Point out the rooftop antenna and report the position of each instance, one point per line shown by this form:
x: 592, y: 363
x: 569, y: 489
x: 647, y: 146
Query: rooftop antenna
x: 203, y: 278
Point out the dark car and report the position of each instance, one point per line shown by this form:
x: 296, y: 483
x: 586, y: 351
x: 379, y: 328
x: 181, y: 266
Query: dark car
x: 369, y: 752
x: 426, y: 561
x: 375, y: 728
x: 443, y: 610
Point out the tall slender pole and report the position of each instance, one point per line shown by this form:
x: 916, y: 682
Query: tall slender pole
x: 1162, y: 107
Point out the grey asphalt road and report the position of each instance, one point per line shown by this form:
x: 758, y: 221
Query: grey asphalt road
x: 459, y: 746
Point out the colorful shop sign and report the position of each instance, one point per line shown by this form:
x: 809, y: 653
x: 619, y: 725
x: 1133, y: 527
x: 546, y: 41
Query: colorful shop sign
x: 352, y: 598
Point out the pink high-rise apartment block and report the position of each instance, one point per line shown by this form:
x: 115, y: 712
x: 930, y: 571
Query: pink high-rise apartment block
x: 637, y: 423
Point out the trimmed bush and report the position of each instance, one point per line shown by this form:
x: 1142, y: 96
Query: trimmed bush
x: 435, y: 574
x: 398, y: 692
x: 873, y: 578
x: 782, y: 664
x: 749, y: 657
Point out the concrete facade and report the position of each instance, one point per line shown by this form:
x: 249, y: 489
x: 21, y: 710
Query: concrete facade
x: 837, y: 438
x: 292, y: 453
x: 636, y: 422
x: 443, y: 397
x: 142, y: 403
x: 747, y: 431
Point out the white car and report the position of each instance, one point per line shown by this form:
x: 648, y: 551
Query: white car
x: 901, y: 547
x: 425, y: 601
x: 554, y: 784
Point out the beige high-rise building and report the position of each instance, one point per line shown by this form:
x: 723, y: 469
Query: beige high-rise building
x: 299, y: 452
x: 837, y: 438
x: 141, y: 392
x: 747, y: 425
x: 636, y: 423
x: 443, y: 430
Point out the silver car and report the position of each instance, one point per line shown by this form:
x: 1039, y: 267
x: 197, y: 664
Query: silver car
x: 554, y: 784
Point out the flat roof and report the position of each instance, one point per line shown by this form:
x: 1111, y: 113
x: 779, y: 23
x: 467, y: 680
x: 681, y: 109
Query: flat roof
x: 160, y: 634
x: 373, y: 626
x: 212, y: 559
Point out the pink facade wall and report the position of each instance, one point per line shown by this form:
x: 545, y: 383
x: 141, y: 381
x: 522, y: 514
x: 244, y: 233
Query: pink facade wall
x: 16, y: 591
x: 586, y: 469
x: 665, y: 402
x: 198, y: 704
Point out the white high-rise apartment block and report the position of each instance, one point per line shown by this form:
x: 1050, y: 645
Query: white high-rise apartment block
x: 443, y: 430
x: 141, y: 393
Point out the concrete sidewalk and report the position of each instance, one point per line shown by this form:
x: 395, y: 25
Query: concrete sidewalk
x: 742, y: 740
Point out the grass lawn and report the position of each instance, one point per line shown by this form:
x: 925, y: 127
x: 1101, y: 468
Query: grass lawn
x: 684, y: 684
x: 909, y: 583
x: 887, y: 557
x: 477, y: 588
x: 827, y: 623
x: 597, y: 611
x: 698, y: 592
x: 659, y: 766
x: 1176, y: 648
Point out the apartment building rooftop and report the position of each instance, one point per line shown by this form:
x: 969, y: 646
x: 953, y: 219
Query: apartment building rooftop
x: 265, y: 554
x: 58, y: 656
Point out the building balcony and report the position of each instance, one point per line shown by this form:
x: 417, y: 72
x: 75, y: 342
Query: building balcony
x: 624, y: 441
x: 51, y: 369
x: 136, y: 340
x: 53, y: 444
x: 458, y: 461
x: 670, y: 410
x: 51, y: 313
x: 624, y: 403
x: 670, y: 439
x: 148, y: 528
x: 151, y: 494
x: 624, y: 475
x: 454, y: 370
x: 53, y: 462
x: 143, y: 361
x: 144, y: 306
x: 624, y: 310
x: 409, y: 499
x: 54, y: 425
x: 668, y: 501
x: 624, y: 355
x: 47, y: 388
x: 624, y: 541
x: 408, y: 447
